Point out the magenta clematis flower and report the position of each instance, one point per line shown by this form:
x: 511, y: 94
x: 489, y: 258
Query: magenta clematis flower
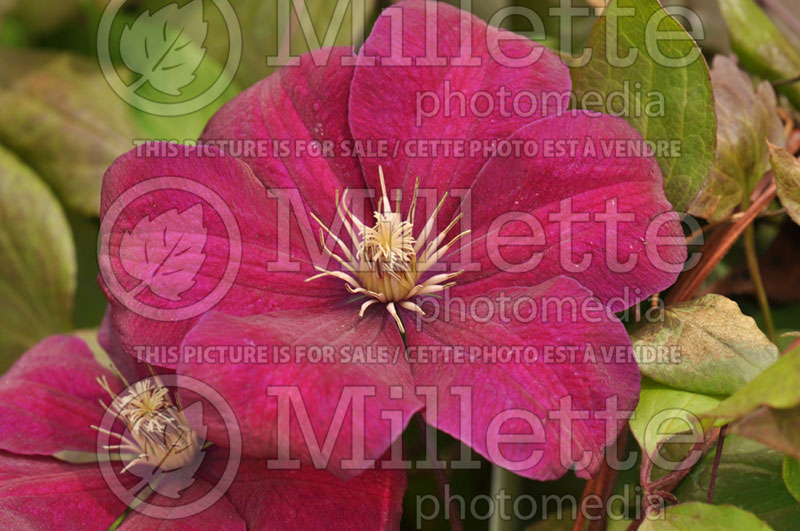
x: 52, y: 395
x: 588, y: 225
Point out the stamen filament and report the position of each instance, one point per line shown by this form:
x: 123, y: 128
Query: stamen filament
x: 386, y: 265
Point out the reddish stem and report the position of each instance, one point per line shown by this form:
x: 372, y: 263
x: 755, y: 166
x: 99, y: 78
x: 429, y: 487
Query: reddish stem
x: 715, y: 466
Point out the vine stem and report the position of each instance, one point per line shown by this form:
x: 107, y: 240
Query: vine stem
x: 602, y: 486
x: 504, y: 485
x: 441, y: 481
x: 439, y: 475
x: 749, y: 240
x: 715, y: 467
x: 715, y: 248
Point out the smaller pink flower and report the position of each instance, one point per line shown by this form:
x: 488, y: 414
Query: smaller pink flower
x: 53, y: 394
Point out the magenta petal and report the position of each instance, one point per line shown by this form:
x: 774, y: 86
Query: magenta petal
x: 315, y: 500
x: 204, y: 235
x: 394, y: 80
x: 39, y: 493
x: 50, y: 397
x: 509, y: 387
x: 221, y: 515
x: 296, y: 106
x: 131, y: 368
x: 523, y: 197
x: 246, y: 384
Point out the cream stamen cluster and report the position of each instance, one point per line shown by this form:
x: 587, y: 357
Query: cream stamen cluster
x: 389, y: 260
x: 159, y: 434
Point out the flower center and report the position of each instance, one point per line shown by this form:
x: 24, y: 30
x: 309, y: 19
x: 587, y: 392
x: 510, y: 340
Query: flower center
x: 160, y: 435
x: 389, y: 261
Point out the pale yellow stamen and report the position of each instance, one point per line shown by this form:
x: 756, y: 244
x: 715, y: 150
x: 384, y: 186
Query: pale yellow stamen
x: 160, y: 435
x: 389, y: 260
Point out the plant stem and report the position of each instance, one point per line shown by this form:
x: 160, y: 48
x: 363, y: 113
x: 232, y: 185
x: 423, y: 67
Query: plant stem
x: 439, y: 475
x: 505, y: 486
x: 715, y: 466
x: 118, y: 521
x: 716, y: 247
x: 441, y: 480
x: 749, y: 240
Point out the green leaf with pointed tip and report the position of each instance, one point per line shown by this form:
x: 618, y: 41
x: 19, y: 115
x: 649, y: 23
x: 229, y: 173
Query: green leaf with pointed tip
x: 760, y: 46
x: 746, y: 119
x: 668, y: 86
x: 791, y: 476
x: 37, y: 271
x: 787, y: 180
x: 720, y: 349
x: 61, y: 118
x: 777, y: 387
x: 663, y: 411
x: 776, y: 428
x: 692, y: 516
x: 749, y: 477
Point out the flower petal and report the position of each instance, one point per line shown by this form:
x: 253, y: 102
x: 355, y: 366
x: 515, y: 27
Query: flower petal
x: 38, y: 493
x: 128, y: 366
x: 297, y: 105
x: 50, y: 397
x: 515, y: 368
x: 617, y: 200
x: 221, y: 515
x: 309, y: 499
x: 321, y: 356
x: 211, y: 208
x: 401, y: 96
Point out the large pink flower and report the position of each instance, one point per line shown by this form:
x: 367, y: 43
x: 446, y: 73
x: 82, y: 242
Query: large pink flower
x: 50, y: 399
x: 571, y: 221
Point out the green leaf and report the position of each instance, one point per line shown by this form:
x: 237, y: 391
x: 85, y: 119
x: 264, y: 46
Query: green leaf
x: 37, y: 271
x: 762, y: 49
x: 777, y: 387
x: 776, y: 428
x: 89, y: 336
x: 791, y: 476
x: 663, y: 411
x: 157, y: 46
x: 90, y: 301
x: 61, y: 117
x: 767, y: 409
x: 787, y: 180
x: 746, y: 118
x: 42, y: 17
x: 672, y: 72
x: 720, y: 348
x: 692, y: 516
x: 264, y: 30
x: 749, y: 477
